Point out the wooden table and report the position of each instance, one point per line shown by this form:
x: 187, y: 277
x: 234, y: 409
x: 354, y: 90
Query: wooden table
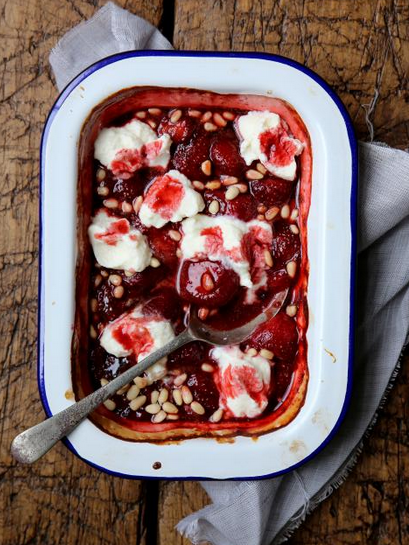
x: 362, y: 49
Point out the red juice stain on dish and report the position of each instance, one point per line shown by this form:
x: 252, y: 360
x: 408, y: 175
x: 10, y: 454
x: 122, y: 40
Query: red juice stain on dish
x: 167, y: 291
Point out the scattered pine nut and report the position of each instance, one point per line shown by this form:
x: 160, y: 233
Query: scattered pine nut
x: 101, y: 174
x: 215, y: 184
x: 177, y: 397
x: 261, y: 217
x: 137, y: 403
x: 152, y: 408
x: 141, y: 382
x: 206, y: 116
x: 155, y: 263
x: 230, y: 180
x: 186, y: 395
x: 98, y: 280
x: 126, y: 207
x: 180, y: 379
x: 154, y: 396
x: 133, y: 392
x: 94, y: 305
x: 104, y: 274
x: 92, y: 332
x: 207, y: 368
x: 294, y: 229
x: 228, y: 115
x: 285, y: 211
x: 291, y: 310
x: 214, y: 207
x: 242, y: 188
x: 123, y: 390
x: 210, y: 127
x: 294, y: 214
x: 141, y: 115
x: 198, y: 185
x: 104, y: 381
x: 163, y: 396
x: 137, y: 203
x: 194, y: 113
x: 110, y: 405
x: 179, y: 253
x: 152, y: 124
x: 207, y: 282
x: 291, y: 268
x: 102, y: 190
x: 271, y: 213
x: 159, y: 417
x: 174, y: 235
x: 218, y: 119
x: 118, y: 292
x: 203, y: 313
x: 115, y: 279
x: 217, y: 416
x: 128, y: 274
x: 232, y: 192
x: 176, y: 115
x: 172, y: 417
x: 261, y: 208
x: 254, y: 175
x: 110, y: 203
x: 261, y: 168
x: 206, y: 167
x: 197, y: 407
x: 252, y: 352
x: 264, y: 353
x: 155, y: 111
x: 169, y: 407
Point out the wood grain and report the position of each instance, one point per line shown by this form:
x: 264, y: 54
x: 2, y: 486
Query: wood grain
x: 59, y: 500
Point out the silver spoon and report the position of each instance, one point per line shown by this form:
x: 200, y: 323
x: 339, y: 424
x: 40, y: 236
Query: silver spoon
x: 33, y: 443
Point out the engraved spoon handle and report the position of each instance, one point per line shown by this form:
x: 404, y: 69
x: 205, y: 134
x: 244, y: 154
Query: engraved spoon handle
x: 33, y: 443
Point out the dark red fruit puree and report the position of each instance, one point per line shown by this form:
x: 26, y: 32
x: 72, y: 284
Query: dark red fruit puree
x: 249, y: 212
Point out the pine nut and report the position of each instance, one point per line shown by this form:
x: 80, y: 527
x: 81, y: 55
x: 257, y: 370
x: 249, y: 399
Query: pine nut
x: 104, y: 274
x: 177, y: 397
x: 110, y: 203
x: 217, y: 416
x: 155, y: 111
x: 252, y: 352
x: 128, y: 274
x: 118, y: 292
x: 291, y: 310
x: 186, y: 395
x: 198, y: 185
x: 163, y: 396
x: 155, y: 263
x: 218, y: 119
x: 103, y: 190
x: 214, y: 207
x: 291, y: 268
x: 267, y: 258
x: 197, y: 407
x: 203, y: 313
x: 254, y: 175
x: 123, y: 390
x: 294, y: 214
x: 264, y: 353
x: 210, y: 127
x: 152, y: 408
x: 101, y: 174
x: 115, y: 279
x: 137, y: 403
x: 141, y: 115
x: 207, y: 282
x: 172, y: 417
x: 141, y: 382
x: 179, y: 253
x: 232, y: 192
x: 294, y: 229
x: 271, y: 213
x: 206, y: 116
x: 242, y: 188
x: 261, y: 168
x: 206, y: 167
x: 110, y: 405
x: 169, y: 407
x: 98, y: 280
x: 180, y: 379
x: 92, y: 332
x: 228, y: 115
x: 177, y: 114
x: 133, y: 392
x: 207, y: 368
x: 174, y: 235
x: 160, y: 417
x: 261, y: 217
x: 152, y: 124
x: 126, y: 207
x: 154, y: 396
x: 261, y: 208
x: 104, y: 381
x: 230, y: 180
x: 137, y: 203
x: 285, y: 211
x: 194, y: 113
x: 215, y: 184
x: 94, y: 305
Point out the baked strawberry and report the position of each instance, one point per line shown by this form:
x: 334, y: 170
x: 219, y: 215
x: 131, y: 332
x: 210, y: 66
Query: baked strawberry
x: 163, y: 247
x: 189, y: 157
x: 279, y: 334
x: 180, y: 131
x: 226, y: 157
x: 286, y: 244
x: 271, y: 191
x: 164, y: 303
x: 278, y: 280
x: 243, y: 206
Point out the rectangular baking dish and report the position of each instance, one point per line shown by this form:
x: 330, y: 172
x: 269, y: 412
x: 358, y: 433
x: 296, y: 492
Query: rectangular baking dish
x: 331, y: 249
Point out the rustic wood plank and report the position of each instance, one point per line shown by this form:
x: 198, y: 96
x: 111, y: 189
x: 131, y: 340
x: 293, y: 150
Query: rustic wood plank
x: 60, y: 499
x: 362, y: 50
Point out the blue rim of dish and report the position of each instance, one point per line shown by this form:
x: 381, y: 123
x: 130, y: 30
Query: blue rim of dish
x: 353, y: 222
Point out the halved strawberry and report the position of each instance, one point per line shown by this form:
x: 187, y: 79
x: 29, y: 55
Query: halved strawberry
x: 286, y: 244
x: 188, y: 158
x: 226, y: 157
x: 279, y: 334
x: 271, y: 191
x: 243, y: 206
x: 163, y: 247
x: 180, y: 131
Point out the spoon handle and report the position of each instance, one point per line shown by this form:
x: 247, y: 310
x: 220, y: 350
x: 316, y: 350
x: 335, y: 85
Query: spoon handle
x: 33, y: 443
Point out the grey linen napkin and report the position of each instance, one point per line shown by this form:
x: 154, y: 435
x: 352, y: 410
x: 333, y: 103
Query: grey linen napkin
x: 264, y: 512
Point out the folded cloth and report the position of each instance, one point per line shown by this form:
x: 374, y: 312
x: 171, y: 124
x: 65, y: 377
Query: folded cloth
x: 265, y: 512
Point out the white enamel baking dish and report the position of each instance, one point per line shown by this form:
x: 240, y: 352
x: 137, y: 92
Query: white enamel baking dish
x: 331, y: 249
